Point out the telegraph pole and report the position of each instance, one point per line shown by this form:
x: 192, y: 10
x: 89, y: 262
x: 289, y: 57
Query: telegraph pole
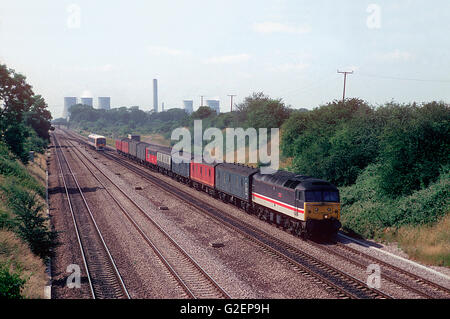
x: 231, y: 95
x: 345, y: 81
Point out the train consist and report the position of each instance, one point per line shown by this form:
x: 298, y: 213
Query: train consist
x: 300, y: 204
x: 98, y: 142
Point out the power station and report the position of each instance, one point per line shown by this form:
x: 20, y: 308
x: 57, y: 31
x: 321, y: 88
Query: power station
x: 104, y: 103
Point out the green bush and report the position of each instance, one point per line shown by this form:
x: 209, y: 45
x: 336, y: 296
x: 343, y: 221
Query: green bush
x: 11, y: 285
x: 367, y: 212
x: 334, y: 142
x: 413, y: 148
x: 30, y: 223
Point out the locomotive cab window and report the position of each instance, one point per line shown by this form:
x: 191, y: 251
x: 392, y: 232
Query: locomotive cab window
x: 321, y: 196
x: 330, y: 196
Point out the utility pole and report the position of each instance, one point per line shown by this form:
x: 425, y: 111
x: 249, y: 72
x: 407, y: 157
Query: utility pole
x: 231, y: 95
x: 201, y: 104
x: 345, y: 81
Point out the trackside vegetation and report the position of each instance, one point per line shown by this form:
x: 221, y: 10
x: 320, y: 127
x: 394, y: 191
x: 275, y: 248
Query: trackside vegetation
x: 26, y: 240
x: 390, y: 162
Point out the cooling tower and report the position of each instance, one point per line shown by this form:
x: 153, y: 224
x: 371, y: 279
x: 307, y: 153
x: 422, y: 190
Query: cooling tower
x: 104, y: 103
x: 87, y: 101
x: 68, y: 102
x: 214, y: 104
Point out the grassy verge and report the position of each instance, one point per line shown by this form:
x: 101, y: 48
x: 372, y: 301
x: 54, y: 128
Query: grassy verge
x: 25, y: 239
x: 19, y: 265
x: 429, y: 244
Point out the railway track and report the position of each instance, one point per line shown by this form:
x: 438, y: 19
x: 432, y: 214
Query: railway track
x: 192, y: 278
x: 105, y: 281
x: 402, y: 278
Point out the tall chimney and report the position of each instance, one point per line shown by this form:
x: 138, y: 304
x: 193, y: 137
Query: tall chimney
x: 155, y: 95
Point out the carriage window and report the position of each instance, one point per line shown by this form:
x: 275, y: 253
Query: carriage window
x: 301, y: 196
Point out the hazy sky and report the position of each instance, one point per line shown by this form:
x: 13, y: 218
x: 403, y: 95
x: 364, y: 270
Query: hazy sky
x: 288, y: 49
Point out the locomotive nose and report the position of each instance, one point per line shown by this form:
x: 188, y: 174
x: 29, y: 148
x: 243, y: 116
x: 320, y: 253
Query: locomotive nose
x: 321, y: 211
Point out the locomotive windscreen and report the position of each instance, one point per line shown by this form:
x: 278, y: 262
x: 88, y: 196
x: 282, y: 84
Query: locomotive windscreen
x: 322, y: 196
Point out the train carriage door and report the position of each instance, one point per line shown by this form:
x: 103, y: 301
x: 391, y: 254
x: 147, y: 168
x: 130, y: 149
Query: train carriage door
x: 299, y: 204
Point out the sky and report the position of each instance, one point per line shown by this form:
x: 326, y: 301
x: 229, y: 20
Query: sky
x: 289, y: 49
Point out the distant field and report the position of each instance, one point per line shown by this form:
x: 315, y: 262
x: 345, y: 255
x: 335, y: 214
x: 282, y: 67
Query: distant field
x: 155, y: 139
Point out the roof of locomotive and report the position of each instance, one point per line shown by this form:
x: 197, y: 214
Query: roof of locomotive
x: 293, y: 181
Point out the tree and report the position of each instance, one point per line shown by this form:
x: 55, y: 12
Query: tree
x: 335, y: 141
x: 19, y: 108
x: 39, y: 118
x: 260, y: 111
x: 15, y: 94
x: 415, y: 145
x: 203, y: 112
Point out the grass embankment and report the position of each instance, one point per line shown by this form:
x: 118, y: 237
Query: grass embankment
x: 419, y: 223
x: 25, y: 241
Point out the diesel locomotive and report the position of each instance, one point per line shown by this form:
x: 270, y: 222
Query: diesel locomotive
x: 303, y: 205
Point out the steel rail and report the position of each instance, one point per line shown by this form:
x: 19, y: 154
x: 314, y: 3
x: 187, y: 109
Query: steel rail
x: 148, y: 240
x: 116, y: 272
